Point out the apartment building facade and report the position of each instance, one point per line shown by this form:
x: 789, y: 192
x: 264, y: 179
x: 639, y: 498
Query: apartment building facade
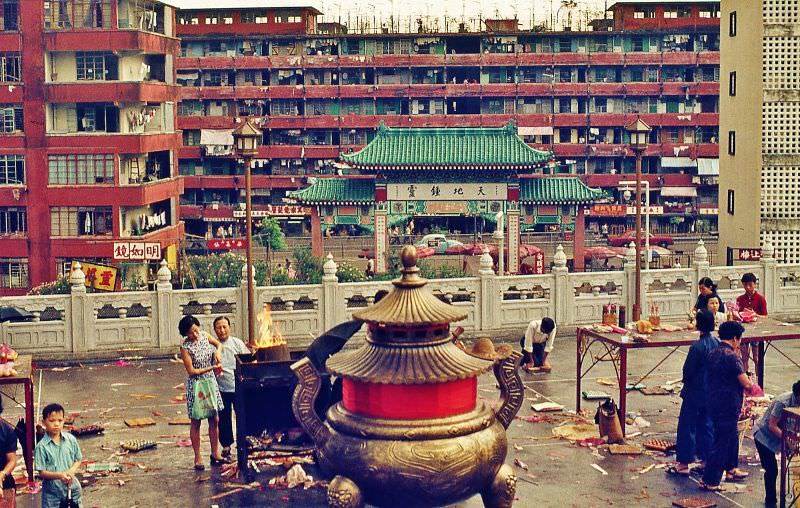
x: 760, y: 107
x: 321, y: 92
x: 88, y: 159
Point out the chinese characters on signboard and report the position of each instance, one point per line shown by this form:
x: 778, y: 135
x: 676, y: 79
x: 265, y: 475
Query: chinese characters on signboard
x: 137, y: 251
x: 280, y: 210
x: 749, y: 254
x: 101, y: 277
x: 227, y: 243
x: 608, y: 210
x: 446, y: 191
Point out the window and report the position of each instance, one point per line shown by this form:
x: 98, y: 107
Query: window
x: 96, y: 66
x: 670, y: 13
x: 13, y: 220
x: 731, y: 142
x: 11, y: 119
x: 12, y: 170
x: 227, y: 18
x: 80, y: 221
x: 732, y: 84
x: 212, y: 18
x: 10, y: 19
x: 68, y: 14
x: 731, y: 201
x: 644, y: 13
x: 732, y: 24
x: 684, y: 12
x: 80, y: 169
x: 10, y: 70
x: 13, y: 273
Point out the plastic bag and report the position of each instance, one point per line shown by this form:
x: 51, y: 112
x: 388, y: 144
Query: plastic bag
x: 204, y: 404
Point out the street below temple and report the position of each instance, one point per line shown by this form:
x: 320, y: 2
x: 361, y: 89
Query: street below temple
x: 552, y: 472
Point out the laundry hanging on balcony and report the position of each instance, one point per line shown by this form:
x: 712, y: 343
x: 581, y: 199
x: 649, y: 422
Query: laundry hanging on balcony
x: 217, y: 142
x: 140, y: 118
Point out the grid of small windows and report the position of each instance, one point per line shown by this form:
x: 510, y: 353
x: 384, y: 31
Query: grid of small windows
x: 780, y: 192
x: 780, y: 62
x: 80, y: 169
x: 785, y: 242
x: 13, y: 273
x: 781, y: 11
x: 781, y: 128
x: 91, y: 65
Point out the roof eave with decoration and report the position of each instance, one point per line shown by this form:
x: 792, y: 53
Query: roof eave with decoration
x: 577, y: 192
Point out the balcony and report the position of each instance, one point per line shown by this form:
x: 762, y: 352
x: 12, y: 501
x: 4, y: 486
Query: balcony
x: 117, y: 41
x: 116, y: 142
x: 86, y: 91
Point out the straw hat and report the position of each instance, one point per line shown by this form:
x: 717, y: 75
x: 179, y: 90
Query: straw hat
x: 483, y: 348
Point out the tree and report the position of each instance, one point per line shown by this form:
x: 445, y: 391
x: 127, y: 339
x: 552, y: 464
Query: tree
x: 271, y: 237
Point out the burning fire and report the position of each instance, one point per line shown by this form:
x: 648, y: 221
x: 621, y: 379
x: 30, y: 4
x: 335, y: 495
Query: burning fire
x: 268, y: 333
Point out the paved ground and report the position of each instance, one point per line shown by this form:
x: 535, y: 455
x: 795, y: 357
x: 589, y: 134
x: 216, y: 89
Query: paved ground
x: 560, y: 474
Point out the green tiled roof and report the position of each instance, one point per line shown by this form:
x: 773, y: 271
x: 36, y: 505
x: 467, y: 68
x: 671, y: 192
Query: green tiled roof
x: 416, y: 148
x: 558, y: 190
x: 345, y: 191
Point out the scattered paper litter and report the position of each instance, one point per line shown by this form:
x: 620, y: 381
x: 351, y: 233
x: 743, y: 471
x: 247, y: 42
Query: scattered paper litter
x: 606, y: 382
x: 575, y: 431
x: 60, y: 369
x: 521, y: 464
x: 297, y: 476
x: 603, y: 471
x: 647, y: 469
x: 546, y: 406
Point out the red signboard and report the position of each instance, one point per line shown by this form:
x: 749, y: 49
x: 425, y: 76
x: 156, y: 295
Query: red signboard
x: 749, y: 254
x: 227, y: 243
x: 608, y: 210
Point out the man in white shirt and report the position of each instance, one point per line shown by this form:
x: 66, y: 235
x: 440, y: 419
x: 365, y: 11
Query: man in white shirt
x: 231, y: 346
x: 537, y: 344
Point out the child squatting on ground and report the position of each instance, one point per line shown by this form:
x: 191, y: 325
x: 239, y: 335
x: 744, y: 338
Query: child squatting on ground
x: 57, y: 459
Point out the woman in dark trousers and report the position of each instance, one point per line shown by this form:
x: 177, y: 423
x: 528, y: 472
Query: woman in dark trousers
x: 706, y: 289
x: 727, y: 382
x: 694, y: 426
x: 768, y: 440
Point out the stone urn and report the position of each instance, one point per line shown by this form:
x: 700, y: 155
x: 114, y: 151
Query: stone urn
x: 410, y: 430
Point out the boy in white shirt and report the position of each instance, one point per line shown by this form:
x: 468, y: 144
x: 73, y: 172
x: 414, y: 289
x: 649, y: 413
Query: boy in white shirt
x: 537, y: 344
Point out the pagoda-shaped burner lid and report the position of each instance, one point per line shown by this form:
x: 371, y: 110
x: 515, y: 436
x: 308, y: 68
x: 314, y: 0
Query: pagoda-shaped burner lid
x: 410, y: 305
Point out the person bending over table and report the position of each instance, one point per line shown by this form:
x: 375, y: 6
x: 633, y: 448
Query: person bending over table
x: 768, y: 437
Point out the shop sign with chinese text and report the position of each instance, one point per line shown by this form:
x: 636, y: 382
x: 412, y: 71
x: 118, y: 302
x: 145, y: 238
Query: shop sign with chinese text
x: 227, y: 243
x: 137, y: 251
x: 279, y: 210
x: 608, y: 210
x: 749, y: 254
x: 101, y: 277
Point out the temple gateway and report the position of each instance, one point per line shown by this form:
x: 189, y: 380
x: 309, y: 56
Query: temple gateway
x: 460, y: 175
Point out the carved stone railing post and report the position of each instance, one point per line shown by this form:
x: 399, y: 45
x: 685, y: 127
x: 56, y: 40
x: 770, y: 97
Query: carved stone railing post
x: 629, y: 269
x: 330, y: 284
x: 562, y: 296
x: 166, y: 322
x: 701, y: 268
x: 770, y: 284
x: 81, y: 315
x: 489, y: 300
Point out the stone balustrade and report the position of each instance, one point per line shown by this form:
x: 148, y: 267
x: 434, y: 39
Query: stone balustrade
x: 109, y: 324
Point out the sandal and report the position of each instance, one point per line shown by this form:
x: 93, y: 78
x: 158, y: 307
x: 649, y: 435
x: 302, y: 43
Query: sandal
x: 711, y: 488
x: 217, y: 461
x: 199, y: 467
x: 682, y: 470
x: 736, y: 474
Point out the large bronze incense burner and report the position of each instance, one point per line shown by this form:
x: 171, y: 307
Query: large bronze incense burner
x: 410, y: 430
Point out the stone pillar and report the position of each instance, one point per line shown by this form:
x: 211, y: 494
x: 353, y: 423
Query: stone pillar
x: 241, y: 308
x: 81, y: 313
x: 329, y: 285
x: 487, y: 298
x: 768, y: 286
x: 317, y: 248
x: 578, y: 239
x: 381, y: 238
x: 700, y: 261
x: 562, y: 292
x: 163, y: 314
x: 629, y: 269
x: 513, y: 242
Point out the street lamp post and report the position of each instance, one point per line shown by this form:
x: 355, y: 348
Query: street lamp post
x: 639, y: 132
x: 246, y: 139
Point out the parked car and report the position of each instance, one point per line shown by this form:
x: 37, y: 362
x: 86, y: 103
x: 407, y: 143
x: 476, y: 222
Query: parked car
x: 630, y: 236
x: 438, y: 242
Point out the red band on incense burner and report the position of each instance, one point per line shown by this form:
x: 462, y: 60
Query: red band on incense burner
x: 410, y: 401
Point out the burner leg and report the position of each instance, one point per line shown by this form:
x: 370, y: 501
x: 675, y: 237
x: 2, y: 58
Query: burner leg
x: 500, y: 494
x: 344, y: 493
